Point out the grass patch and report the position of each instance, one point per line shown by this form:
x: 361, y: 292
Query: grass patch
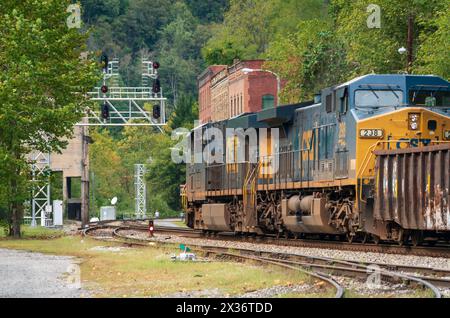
x: 180, y: 223
x: 413, y: 293
x: 146, y: 272
x: 39, y: 233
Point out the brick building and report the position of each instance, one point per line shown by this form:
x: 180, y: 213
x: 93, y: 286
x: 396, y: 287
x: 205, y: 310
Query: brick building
x: 250, y: 92
x: 219, y: 96
x: 204, y: 93
x: 226, y: 92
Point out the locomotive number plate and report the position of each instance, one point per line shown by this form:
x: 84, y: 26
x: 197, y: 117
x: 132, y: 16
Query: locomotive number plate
x: 371, y: 133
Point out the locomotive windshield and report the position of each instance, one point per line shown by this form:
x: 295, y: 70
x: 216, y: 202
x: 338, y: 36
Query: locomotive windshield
x: 429, y: 97
x: 378, y: 98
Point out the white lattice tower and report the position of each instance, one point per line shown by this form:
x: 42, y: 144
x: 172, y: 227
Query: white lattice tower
x: 40, y: 171
x: 140, y: 191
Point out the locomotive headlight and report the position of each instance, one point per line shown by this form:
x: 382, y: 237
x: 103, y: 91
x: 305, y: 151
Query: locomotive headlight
x: 414, y: 121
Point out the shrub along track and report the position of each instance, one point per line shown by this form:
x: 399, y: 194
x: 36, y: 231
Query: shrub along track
x: 317, y: 267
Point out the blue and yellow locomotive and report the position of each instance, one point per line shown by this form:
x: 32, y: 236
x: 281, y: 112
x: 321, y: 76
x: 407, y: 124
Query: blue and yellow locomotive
x: 368, y: 158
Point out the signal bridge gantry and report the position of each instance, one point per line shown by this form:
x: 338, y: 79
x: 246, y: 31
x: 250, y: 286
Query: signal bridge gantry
x: 128, y: 106
x: 119, y: 106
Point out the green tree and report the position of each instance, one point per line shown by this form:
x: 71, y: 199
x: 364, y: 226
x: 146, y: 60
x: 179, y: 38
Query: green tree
x: 376, y: 49
x: 250, y: 26
x: 164, y: 176
x: 43, y: 86
x: 311, y: 58
x: 110, y: 178
x: 184, y: 114
x: 179, y: 47
x: 208, y: 10
x: 432, y: 54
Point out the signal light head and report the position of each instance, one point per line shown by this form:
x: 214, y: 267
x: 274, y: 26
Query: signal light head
x: 104, y: 61
x: 105, y: 111
x: 156, y: 86
x: 104, y: 89
x: 156, y: 111
x: 156, y: 65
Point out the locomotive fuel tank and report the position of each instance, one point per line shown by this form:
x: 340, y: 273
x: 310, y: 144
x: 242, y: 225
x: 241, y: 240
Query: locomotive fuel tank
x: 306, y: 215
x: 216, y: 217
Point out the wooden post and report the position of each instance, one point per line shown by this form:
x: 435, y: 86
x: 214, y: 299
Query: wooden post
x: 84, y: 177
x: 410, y: 42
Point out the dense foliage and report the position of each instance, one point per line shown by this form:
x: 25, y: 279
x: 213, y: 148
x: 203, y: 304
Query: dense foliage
x: 43, y: 85
x: 313, y: 44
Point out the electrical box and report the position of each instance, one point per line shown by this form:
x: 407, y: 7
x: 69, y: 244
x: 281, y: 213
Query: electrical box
x: 107, y: 213
x: 57, y: 213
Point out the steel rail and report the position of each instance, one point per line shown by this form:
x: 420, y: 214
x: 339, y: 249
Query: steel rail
x: 434, y: 251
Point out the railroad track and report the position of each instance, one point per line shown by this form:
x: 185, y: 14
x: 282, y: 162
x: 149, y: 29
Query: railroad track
x: 319, y: 267
x: 428, y: 251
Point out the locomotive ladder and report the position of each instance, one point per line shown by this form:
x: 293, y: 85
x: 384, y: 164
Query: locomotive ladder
x: 249, y: 193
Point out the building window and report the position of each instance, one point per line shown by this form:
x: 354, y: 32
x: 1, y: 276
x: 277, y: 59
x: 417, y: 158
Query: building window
x: 231, y: 106
x: 268, y: 101
x: 242, y: 110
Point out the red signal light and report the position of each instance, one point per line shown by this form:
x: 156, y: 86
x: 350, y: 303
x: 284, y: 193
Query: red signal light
x: 104, y: 89
x: 156, y: 65
x: 150, y: 228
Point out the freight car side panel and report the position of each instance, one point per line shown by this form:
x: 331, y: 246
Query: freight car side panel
x: 412, y: 187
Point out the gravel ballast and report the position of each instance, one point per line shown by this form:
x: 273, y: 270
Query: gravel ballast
x: 35, y: 275
x: 368, y: 257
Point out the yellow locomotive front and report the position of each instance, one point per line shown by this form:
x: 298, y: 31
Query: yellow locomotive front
x: 402, y: 167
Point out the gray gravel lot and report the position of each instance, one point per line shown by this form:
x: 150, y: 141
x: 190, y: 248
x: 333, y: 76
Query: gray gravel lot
x: 34, y: 275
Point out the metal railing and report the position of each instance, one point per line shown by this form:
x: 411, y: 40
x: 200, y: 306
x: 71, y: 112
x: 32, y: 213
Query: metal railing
x: 126, y: 93
x: 280, y: 169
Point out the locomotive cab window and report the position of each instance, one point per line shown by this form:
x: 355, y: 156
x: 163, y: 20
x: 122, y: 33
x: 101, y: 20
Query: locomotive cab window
x: 429, y: 98
x: 342, y: 96
x: 378, y: 98
x: 329, y: 103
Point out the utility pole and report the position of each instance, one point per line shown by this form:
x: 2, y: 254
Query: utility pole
x: 410, y: 44
x: 84, y: 177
